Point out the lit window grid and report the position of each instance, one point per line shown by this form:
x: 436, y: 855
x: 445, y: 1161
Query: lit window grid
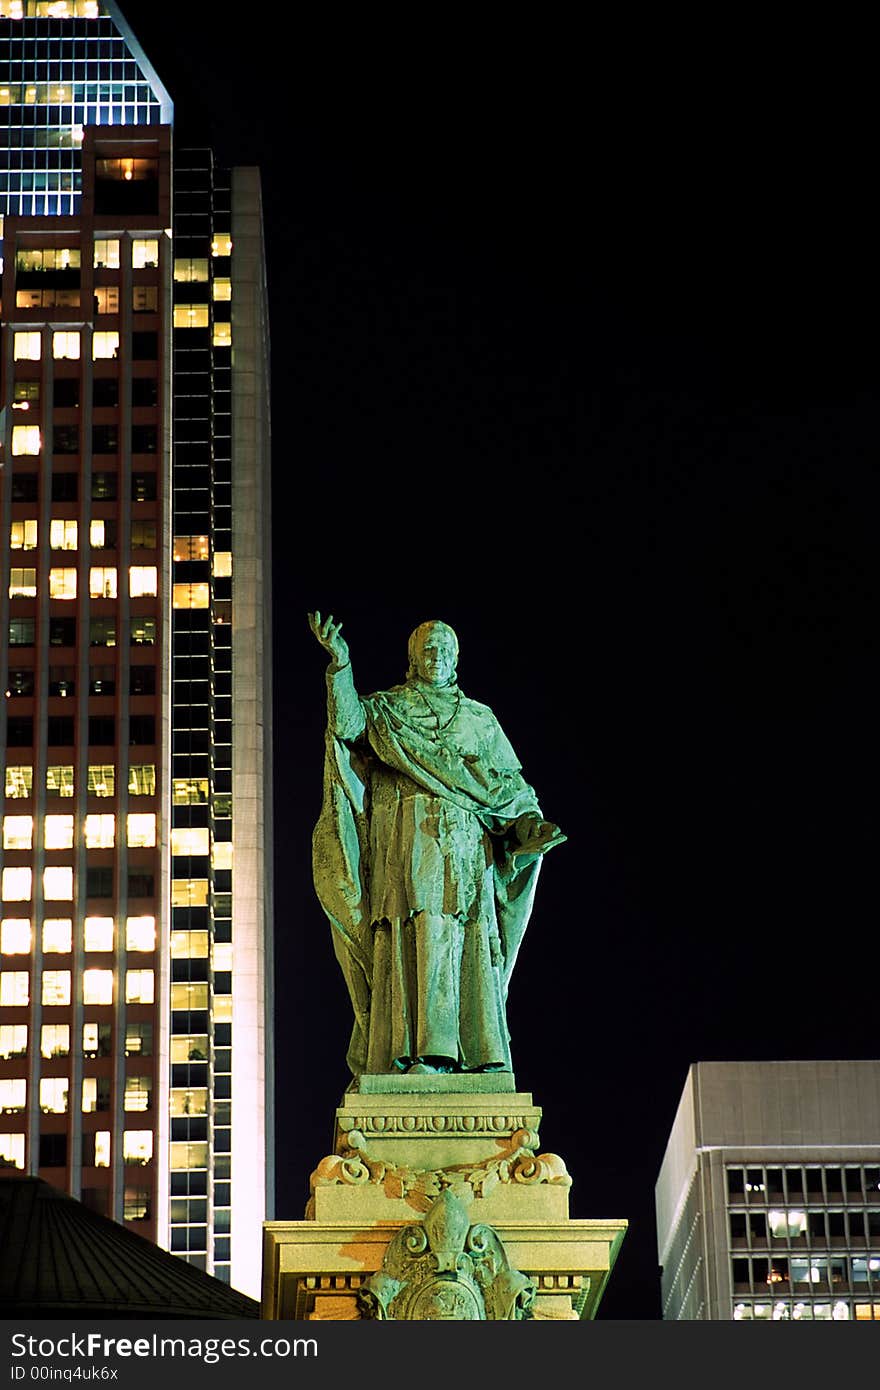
x: 823, y: 1261
x: 78, y: 94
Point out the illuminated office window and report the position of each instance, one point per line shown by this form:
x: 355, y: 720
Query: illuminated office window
x: 56, y: 987
x: 53, y: 1095
x: 106, y: 254
x: 97, y: 986
x: 191, y: 548
x: 102, y: 534
x: 137, y: 1145
x: 222, y: 566
x: 189, y: 945
x: 26, y: 442
x: 102, y: 1148
x: 188, y: 1156
x: 189, y: 791
x: 18, y: 832
x: 59, y: 832
x: 138, y: 1039
x: 141, y: 829
x: 105, y: 345
x: 59, y: 782
x: 190, y: 270
x: 57, y: 935
x: 189, y: 892
x: 62, y: 583
x: 16, y: 885
x: 100, y: 831
x: 190, y: 596
x: 190, y: 1047
x: 13, y: 1093
x: 58, y: 884
x: 22, y: 583
x: 144, y: 253
x: 66, y: 344
x: 55, y: 1040
x: 221, y: 955
x: 191, y: 316
x: 221, y: 854
x: 189, y: 995
x: 102, y: 779
x: 222, y: 335
x: 97, y: 1038
x: 138, y: 1093
x: 189, y: 1100
x: 142, y: 779
x: 15, y: 936
x: 145, y: 299
x: 222, y: 288
x: 19, y: 782
x: 143, y: 581
x: 222, y: 1011
x: 143, y: 632
x: 102, y: 581
x: 14, y: 988
x: 139, y: 987
x: 13, y: 1040
x: 62, y: 534
x: 106, y: 299
x: 190, y: 840
x: 89, y: 1090
x: 221, y: 244
x: 12, y: 1150
x: 27, y: 347
x: 23, y: 535
x: 140, y: 934
x: 98, y: 936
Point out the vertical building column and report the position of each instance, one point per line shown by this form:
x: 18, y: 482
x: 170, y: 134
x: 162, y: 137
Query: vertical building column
x: 252, y: 1007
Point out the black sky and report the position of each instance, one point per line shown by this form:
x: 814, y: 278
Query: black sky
x: 573, y: 344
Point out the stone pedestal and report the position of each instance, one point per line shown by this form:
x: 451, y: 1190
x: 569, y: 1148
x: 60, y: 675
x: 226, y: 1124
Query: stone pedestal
x: 401, y: 1141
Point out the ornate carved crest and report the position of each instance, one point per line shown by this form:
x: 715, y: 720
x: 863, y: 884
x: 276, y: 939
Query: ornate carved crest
x: 518, y: 1164
x: 443, y: 1268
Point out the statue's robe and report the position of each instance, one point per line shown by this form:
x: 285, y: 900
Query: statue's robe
x: 413, y: 867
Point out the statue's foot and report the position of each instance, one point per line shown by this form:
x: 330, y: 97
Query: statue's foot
x: 431, y: 1066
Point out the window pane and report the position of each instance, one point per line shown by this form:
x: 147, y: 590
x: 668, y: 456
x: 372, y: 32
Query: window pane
x: 15, y: 936
x: 59, y: 831
x: 141, y: 828
x: 97, y: 986
x: 98, y: 935
x: 57, y: 935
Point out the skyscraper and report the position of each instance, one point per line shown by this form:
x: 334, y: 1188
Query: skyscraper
x: 768, y: 1199
x: 135, y: 938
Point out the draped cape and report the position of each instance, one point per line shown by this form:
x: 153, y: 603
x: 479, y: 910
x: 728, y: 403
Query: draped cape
x: 470, y: 765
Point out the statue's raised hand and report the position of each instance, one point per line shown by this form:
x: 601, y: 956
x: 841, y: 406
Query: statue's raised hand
x: 329, y: 634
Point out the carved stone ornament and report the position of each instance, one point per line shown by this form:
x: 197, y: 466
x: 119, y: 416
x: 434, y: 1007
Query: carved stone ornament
x: 518, y: 1164
x: 445, y: 1269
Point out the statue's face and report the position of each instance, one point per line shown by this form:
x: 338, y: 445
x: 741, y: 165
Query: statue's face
x: 435, y: 656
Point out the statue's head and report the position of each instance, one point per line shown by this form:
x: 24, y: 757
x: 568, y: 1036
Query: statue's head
x: 433, y: 653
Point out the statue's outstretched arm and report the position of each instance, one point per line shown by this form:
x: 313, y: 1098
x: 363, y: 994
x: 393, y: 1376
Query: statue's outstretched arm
x: 345, y: 714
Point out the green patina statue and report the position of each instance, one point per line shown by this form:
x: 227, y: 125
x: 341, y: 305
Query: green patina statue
x: 426, y: 857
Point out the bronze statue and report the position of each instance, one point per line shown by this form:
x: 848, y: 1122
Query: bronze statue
x: 426, y: 857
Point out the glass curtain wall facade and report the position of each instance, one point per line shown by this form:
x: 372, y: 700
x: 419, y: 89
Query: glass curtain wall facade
x: 126, y: 931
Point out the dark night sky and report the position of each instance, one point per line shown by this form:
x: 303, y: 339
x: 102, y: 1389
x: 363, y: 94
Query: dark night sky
x: 573, y: 346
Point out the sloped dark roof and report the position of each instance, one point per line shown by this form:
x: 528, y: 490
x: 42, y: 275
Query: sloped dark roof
x: 58, y: 1259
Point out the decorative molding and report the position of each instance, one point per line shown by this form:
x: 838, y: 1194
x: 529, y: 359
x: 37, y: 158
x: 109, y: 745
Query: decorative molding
x: 518, y: 1164
x: 497, y: 1125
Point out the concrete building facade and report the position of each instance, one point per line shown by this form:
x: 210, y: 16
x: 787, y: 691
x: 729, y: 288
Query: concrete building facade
x: 135, y: 855
x: 768, y: 1198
